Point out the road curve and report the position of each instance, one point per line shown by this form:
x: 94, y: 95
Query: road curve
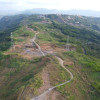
x: 40, y: 97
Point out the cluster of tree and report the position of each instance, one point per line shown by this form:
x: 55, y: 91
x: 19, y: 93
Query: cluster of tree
x: 6, y: 27
x: 89, y: 39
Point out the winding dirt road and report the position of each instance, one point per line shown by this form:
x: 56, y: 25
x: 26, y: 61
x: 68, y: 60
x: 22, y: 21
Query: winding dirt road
x: 39, y: 48
x: 42, y: 96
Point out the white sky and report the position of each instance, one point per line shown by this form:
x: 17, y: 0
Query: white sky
x: 50, y: 4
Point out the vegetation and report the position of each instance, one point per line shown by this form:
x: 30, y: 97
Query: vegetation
x: 89, y: 40
x: 22, y: 34
x: 21, y: 77
x: 17, y: 73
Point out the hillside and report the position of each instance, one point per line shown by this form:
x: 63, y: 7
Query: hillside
x: 49, y: 50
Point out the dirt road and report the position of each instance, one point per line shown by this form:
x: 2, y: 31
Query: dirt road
x: 42, y: 96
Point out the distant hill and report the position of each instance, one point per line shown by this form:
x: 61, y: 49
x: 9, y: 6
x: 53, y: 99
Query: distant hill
x: 4, y: 12
x: 40, y: 11
x: 54, y: 11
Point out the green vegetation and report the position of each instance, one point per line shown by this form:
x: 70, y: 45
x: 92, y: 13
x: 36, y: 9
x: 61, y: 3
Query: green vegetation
x: 21, y: 77
x: 49, y: 35
x: 22, y: 34
x: 8, y: 24
x: 96, y: 85
x: 5, y: 39
x: 87, y: 39
x: 82, y: 39
x: 90, y: 66
x: 87, y: 61
x: 37, y: 83
x: 18, y: 72
x: 58, y: 75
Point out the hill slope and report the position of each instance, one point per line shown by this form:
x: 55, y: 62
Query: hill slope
x: 25, y: 73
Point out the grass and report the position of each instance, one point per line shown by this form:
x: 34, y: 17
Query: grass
x: 22, y: 31
x: 47, y: 34
x: 87, y: 61
x: 37, y: 83
x: 22, y: 34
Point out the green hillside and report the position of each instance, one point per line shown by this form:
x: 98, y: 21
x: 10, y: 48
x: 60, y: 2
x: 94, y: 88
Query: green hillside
x: 24, y: 72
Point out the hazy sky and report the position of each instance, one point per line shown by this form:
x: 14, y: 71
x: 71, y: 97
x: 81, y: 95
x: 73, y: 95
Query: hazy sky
x: 51, y: 4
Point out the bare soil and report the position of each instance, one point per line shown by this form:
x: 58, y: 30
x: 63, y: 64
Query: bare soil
x: 46, y: 82
x: 53, y: 95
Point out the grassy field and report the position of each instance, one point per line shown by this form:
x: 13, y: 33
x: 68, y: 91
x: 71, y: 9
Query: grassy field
x: 22, y: 34
x: 49, y: 34
x: 86, y: 76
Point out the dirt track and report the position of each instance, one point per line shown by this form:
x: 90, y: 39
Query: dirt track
x: 43, y: 95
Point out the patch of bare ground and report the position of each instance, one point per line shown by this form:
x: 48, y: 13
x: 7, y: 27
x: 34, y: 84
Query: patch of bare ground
x: 6, y: 70
x: 52, y: 95
x: 30, y: 29
x: 46, y: 81
x: 68, y: 62
x: 16, y: 48
x: 46, y: 84
x: 55, y: 95
x: 51, y: 47
x: 26, y: 56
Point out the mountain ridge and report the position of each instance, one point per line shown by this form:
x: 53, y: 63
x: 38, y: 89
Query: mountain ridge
x: 70, y: 12
x: 25, y: 73
x: 81, y: 12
